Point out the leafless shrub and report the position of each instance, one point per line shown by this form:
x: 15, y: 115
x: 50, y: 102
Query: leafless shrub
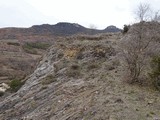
x: 49, y: 79
x: 92, y: 66
x: 137, y: 48
x: 156, y: 16
x: 73, y: 71
x: 143, y: 12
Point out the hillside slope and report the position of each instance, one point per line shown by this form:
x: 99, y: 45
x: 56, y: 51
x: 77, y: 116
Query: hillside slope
x: 81, y: 80
x: 19, y: 59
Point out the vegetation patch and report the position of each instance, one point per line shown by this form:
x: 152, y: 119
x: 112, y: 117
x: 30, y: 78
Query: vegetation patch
x: 125, y: 29
x: 15, y: 85
x: 73, y: 71
x: 75, y: 67
x: 73, y: 74
x: 38, y: 45
x: 30, y: 47
x: 92, y: 66
x: 155, y: 73
x: 13, y: 43
x: 70, y: 53
x: 102, y: 52
x: 29, y: 50
x: 49, y: 79
x: 99, y: 52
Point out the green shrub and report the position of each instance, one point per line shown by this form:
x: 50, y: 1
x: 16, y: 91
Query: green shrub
x: 30, y: 51
x: 13, y: 43
x: 155, y: 73
x: 30, y: 47
x: 125, y: 29
x: 15, y: 85
x: 38, y: 45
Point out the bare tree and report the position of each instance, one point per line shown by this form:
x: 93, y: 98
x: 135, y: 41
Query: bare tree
x: 143, y: 12
x: 156, y: 17
x: 92, y: 28
x: 140, y: 44
x: 137, y: 47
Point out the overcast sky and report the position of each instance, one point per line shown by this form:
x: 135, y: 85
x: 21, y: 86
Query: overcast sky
x: 101, y: 13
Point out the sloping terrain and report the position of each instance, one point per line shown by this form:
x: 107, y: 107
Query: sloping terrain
x: 19, y: 59
x: 22, y: 48
x: 81, y: 80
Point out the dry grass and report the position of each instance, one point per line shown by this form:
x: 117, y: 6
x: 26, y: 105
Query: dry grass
x: 49, y: 79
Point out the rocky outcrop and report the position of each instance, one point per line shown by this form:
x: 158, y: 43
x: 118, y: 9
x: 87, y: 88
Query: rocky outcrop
x: 112, y: 29
x: 3, y: 87
x: 78, y: 80
x: 57, y: 80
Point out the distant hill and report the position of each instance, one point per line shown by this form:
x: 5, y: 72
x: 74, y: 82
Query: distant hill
x: 66, y: 29
x: 59, y: 29
x: 112, y: 29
